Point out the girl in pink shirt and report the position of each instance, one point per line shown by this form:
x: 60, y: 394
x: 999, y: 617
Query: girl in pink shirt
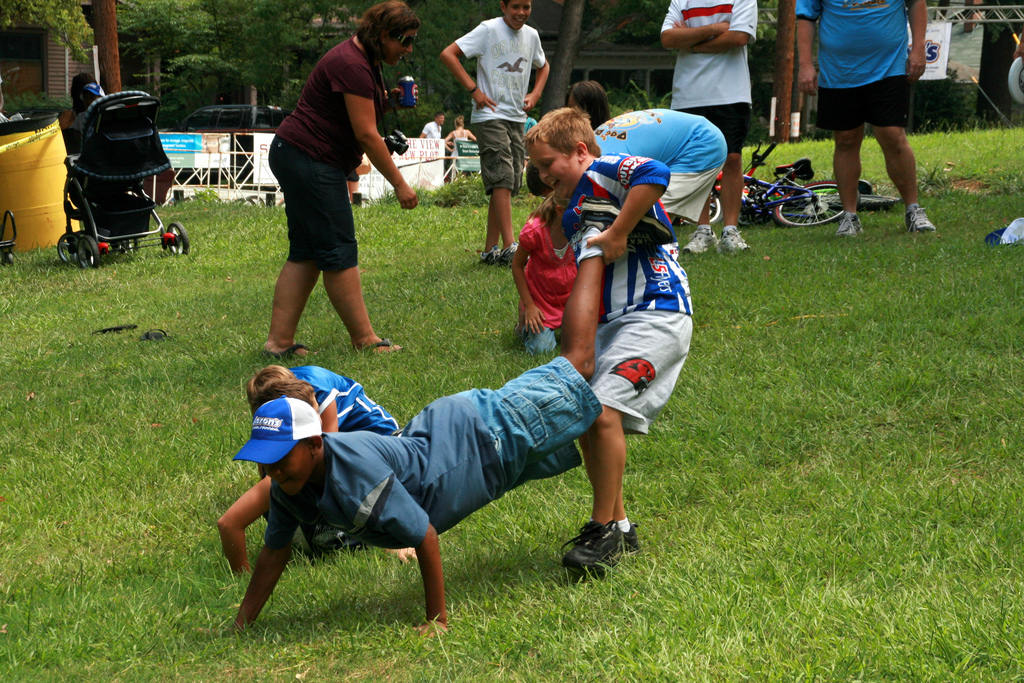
x: 543, y: 277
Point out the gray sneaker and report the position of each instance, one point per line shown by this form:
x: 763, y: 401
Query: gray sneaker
x: 700, y: 240
x: 731, y: 241
x: 849, y: 225
x: 917, y: 221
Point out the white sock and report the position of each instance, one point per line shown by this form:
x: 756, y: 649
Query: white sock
x: 705, y: 228
x: 623, y: 525
x: 911, y: 207
x: 728, y: 228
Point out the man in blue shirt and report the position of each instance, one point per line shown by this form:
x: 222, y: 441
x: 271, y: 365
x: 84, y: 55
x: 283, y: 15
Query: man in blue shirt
x: 865, y: 78
x: 460, y: 453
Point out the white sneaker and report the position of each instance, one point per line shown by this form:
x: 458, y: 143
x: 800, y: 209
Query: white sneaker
x: 917, y: 221
x: 732, y: 241
x: 491, y: 256
x: 849, y: 225
x: 700, y: 240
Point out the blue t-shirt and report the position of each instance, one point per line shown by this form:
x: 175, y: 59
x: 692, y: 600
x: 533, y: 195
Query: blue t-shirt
x: 859, y: 41
x: 647, y: 277
x: 356, y: 412
x: 686, y: 143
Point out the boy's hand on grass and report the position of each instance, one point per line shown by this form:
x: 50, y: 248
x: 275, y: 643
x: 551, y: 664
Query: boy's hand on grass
x: 432, y: 628
x: 612, y: 244
x: 404, y: 555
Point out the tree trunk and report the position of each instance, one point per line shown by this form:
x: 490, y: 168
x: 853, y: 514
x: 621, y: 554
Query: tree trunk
x: 995, y: 61
x: 785, y: 41
x: 104, y: 14
x: 569, y: 31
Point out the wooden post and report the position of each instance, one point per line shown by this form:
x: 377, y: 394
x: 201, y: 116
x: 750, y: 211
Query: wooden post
x: 105, y: 30
x: 785, y: 40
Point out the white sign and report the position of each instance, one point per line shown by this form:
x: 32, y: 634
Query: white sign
x: 936, y: 50
x: 261, y: 174
x: 422, y: 166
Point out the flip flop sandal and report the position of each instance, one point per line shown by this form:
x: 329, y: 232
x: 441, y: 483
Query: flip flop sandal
x: 384, y: 343
x: 287, y: 353
x: 155, y: 335
x: 116, y: 328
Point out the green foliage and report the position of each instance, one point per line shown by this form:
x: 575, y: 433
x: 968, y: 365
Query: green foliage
x: 944, y: 105
x: 63, y: 18
x: 34, y: 100
x: 633, y: 97
x: 462, y: 191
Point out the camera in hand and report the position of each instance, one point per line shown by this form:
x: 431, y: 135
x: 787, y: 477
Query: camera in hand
x: 396, y: 142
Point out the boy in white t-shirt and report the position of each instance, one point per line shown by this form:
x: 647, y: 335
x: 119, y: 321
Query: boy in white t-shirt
x: 506, y: 50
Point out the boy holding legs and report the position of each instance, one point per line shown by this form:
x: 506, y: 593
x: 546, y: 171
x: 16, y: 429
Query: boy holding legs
x: 506, y: 50
x: 634, y: 298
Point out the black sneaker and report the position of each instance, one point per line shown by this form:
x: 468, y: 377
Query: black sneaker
x: 630, y: 541
x: 601, y: 213
x: 597, y: 547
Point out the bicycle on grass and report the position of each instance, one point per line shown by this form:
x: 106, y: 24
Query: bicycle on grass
x: 785, y: 201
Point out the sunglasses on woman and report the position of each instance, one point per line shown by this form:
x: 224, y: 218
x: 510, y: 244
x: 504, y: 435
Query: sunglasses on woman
x: 403, y: 40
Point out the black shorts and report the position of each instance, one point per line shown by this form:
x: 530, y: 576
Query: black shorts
x: 320, y: 224
x: 884, y: 103
x: 732, y: 119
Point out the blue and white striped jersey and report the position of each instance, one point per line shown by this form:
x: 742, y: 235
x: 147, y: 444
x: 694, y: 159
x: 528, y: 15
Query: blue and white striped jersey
x: 356, y: 412
x: 647, y: 277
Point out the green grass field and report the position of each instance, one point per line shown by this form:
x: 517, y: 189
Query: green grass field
x: 834, y: 492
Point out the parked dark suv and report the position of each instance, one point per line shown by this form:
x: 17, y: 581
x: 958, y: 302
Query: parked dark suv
x: 232, y: 117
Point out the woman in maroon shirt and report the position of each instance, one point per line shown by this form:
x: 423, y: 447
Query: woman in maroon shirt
x: 314, y: 150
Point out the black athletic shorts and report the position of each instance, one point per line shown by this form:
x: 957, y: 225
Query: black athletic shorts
x: 320, y: 223
x: 882, y: 103
x: 732, y: 119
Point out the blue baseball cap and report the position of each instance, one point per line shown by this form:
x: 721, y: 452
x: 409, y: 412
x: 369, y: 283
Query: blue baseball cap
x: 93, y: 88
x: 276, y: 427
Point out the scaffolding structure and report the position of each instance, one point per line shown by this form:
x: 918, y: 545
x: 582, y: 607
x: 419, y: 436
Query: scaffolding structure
x: 1012, y: 15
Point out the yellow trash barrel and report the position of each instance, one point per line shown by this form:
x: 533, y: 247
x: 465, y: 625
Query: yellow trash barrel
x: 32, y: 175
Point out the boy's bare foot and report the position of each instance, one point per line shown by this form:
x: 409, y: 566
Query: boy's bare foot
x: 432, y: 628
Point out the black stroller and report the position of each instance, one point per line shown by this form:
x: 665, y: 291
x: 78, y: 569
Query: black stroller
x: 120, y: 147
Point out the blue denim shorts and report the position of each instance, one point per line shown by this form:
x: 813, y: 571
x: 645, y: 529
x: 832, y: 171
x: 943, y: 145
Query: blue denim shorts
x: 539, y: 342
x: 537, y: 413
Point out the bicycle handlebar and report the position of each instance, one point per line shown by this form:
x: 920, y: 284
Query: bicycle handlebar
x: 758, y: 159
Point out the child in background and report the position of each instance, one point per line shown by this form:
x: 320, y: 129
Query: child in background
x: 343, y: 406
x: 543, y: 269
x: 506, y: 52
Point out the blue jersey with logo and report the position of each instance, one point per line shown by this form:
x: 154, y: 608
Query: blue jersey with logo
x: 647, y: 277
x: 859, y: 41
x: 356, y: 412
x: 686, y: 143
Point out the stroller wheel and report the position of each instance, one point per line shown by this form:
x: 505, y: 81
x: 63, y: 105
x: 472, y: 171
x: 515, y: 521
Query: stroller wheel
x: 88, y: 252
x: 67, y: 247
x: 175, y: 239
x: 8, y: 258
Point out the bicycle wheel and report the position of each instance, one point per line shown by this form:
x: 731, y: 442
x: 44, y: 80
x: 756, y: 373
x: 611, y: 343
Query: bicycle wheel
x: 716, y: 208
x: 799, y: 208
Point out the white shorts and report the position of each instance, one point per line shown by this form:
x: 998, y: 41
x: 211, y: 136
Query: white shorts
x: 687, y: 193
x: 638, y: 358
